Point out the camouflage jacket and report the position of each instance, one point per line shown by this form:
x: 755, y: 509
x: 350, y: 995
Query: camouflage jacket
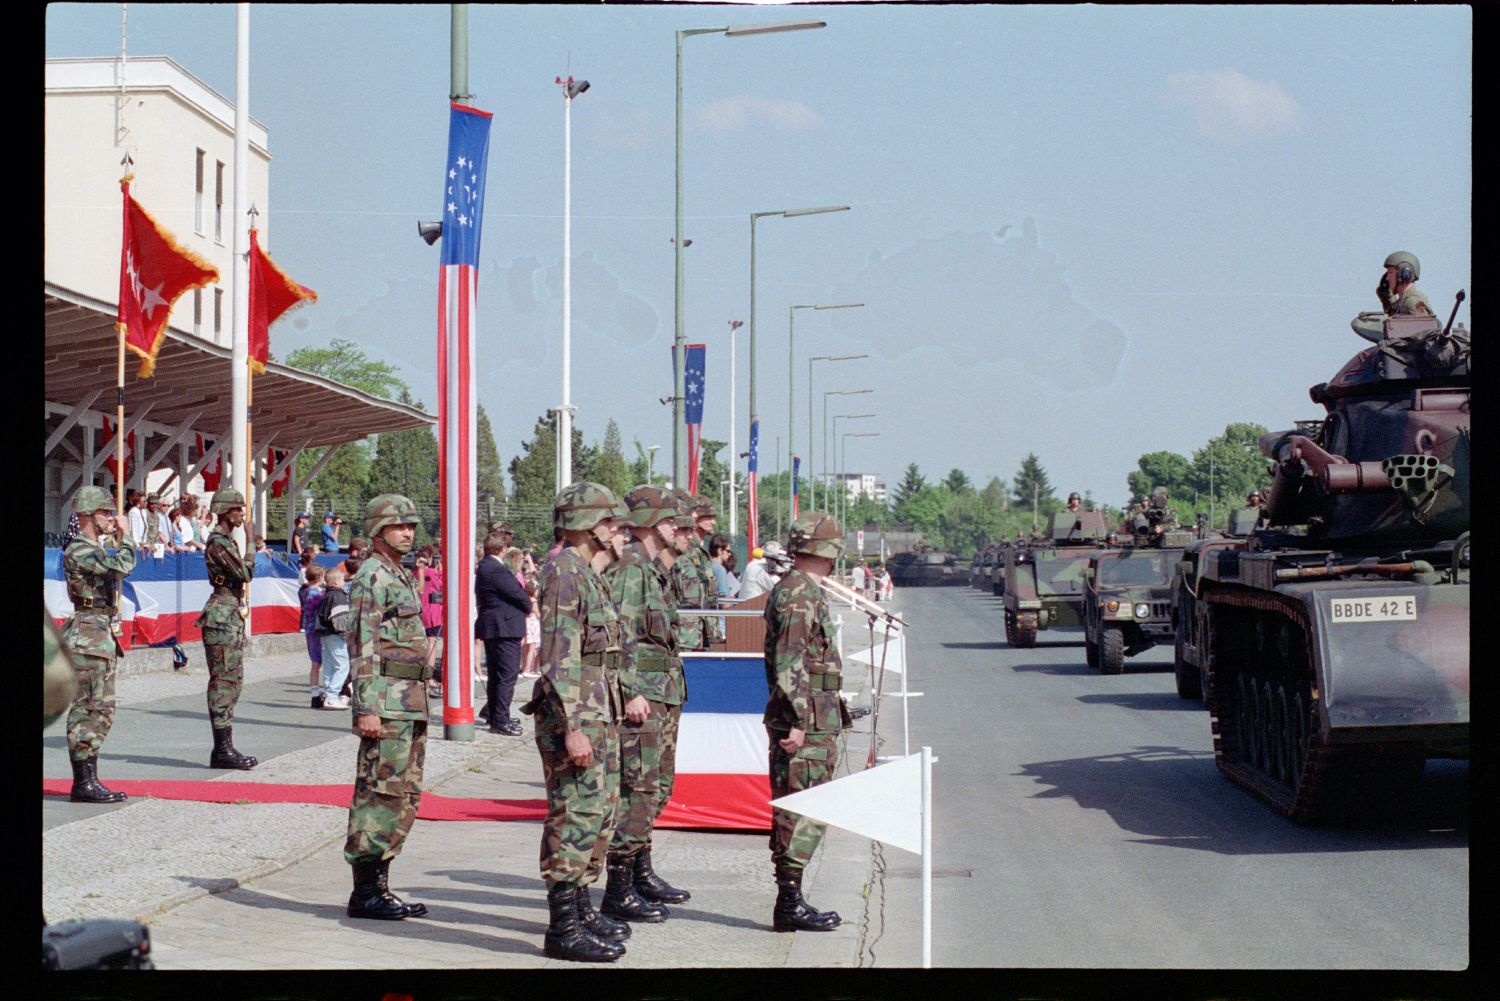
x: 581, y: 645
x: 229, y: 573
x: 648, y: 614
x: 387, y: 644
x: 92, y: 574
x: 1405, y: 303
x: 803, y: 670
x: 694, y: 580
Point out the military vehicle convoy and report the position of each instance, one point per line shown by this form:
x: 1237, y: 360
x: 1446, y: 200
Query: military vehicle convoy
x: 925, y: 568
x: 1188, y: 660
x: 1335, y: 641
x: 1042, y: 583
x: 1127, y: 605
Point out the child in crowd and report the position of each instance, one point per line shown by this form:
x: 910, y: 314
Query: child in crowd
x: 333, y: 616
x: 310, y: 595
x: 531, y: 643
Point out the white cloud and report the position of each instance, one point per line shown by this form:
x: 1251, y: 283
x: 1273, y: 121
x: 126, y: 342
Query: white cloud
x: 1231, y: 107
x: 740, y: 113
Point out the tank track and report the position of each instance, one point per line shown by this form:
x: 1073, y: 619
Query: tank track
x: 1020, y: 629
x: 1267, y: 737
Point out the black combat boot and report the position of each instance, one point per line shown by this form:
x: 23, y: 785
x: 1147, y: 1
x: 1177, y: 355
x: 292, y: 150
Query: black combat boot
x: 566, y: 939
x: 382, y: 875
x: 225, y: 756
x: 651, y: 886
x: 621, y: 900
x: 792, y: 912
x: 596, y: 923
x: 368, y: 899
x: 86, y: 787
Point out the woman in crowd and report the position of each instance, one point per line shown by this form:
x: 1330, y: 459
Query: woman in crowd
x: 430, y: 592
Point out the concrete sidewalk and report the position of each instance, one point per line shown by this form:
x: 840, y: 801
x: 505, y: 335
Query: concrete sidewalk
x: 275, y: 873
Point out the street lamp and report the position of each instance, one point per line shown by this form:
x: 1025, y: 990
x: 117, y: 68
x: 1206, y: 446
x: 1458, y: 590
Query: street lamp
x: 571, y: 88
x: 844, y: 477
x: 844, y: 487
x: 651, y: 463
x: 734, y: 504
x: 834, y: 392
x: 791, y: 358
x: 679, y: 438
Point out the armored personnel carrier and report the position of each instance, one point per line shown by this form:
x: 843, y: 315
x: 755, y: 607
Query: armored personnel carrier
x: 1336, y: 641
x: 1127, y: 604
x: 1043, y: 581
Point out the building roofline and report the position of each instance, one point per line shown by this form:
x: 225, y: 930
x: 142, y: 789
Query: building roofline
x: 85, y: 74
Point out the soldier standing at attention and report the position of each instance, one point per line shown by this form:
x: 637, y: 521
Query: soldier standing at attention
x: 223, y: 625
x: 692, y: 574
x: 805, y: 713
x: 576, y: 706
x: 93, y: 574
x: 388, y: 665
x: 1398, y: 292
x: 654, y: 692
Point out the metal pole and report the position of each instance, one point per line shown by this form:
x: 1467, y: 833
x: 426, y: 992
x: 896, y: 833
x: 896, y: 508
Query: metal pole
x: 791, y: 355
x: 239, y: 349
x: 734, y: 456
x: 565, y: 414
x: 926, y: 855
x: 778, y: 473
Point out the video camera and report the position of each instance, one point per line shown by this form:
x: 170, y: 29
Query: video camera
x: 100, y: 944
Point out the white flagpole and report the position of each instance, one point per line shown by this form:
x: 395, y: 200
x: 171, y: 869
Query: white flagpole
x: 926, y: 858
x: 239, y: 351
x: 905, y: 696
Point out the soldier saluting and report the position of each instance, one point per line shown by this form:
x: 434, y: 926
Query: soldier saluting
x: 805, y: 713
x: 93, y: 576
x: 223, y: 626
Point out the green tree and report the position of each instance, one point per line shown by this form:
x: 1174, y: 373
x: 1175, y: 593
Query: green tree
x: 1030, y: 488
x: 911, y: 481
x: 343, y: 361
x: 611, y: 469
x: 406, y: 463
x: 712, y: 474
x: 971, y: 521
x: 958, y: 482
x: 490, y: 475
x: 643, y: 470
x: 1160, y: 469
x: 533, y: 471
x: 994, y: 491
x: 1229, y: 465
x: 924, y: 512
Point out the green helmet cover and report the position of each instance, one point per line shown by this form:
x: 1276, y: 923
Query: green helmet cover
x: 386, y: 510
x: 91, y: 499
x: 225, y: 499
x: 581, y: 506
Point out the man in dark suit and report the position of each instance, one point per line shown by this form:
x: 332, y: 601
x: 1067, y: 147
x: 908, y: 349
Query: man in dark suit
x: 501, y: 623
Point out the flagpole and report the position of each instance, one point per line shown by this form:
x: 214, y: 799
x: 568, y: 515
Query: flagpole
x: 239, y: 367
x: 926, y: 858
x: 120, y: 364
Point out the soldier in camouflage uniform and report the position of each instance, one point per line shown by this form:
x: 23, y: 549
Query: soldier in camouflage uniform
x: 59, y: 675
x: 805, y: 713
x: 389, y: 671
x: 654, y: 692
x: 694, y: 576
x: 93, y: 574
x: 576, y: 704
x: 223, y: 626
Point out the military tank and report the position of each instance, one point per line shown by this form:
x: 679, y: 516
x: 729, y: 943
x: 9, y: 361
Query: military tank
x: 1336, y: 641
x: 1042, y: 581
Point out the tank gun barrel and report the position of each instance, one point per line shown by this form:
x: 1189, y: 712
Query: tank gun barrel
x: 1299, y: 458
x: 1457, y: 301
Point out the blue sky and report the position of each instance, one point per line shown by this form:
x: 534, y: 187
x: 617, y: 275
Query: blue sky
x: 1085, y: 232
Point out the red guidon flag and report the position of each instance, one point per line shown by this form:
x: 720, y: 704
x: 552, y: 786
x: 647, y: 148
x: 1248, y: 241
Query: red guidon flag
x: 155, y: 271
x: 272, y: 292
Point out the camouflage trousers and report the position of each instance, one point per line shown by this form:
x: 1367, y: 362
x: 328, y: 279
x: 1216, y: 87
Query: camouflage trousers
x: 648, y: 764
x: 794, y: 838
x: 387, y: 790
x: 93, y: 710
x: 582, y: 803
x: 226, y: 676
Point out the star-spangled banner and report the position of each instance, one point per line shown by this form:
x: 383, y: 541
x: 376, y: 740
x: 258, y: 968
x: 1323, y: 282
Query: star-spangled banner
x: 692, y: 412
x: 752, y: 506
x: 272, y: 293
x: 463, y: 184
x: 155, y: 271
x: 796, y: 486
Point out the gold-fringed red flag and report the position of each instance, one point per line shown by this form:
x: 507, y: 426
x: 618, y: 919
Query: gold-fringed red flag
x: 155, y: 271
x: 272, y: 292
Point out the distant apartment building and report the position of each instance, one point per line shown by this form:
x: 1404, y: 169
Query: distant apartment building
x: 858, y: 485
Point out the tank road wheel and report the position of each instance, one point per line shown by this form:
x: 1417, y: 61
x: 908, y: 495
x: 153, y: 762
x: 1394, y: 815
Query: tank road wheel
x: 1244, y: 718
x: 1297, y: 730
x: 1189, y: 681
x: 1111, y: 650
x: 1276, y: 756
x: 1026, y: 629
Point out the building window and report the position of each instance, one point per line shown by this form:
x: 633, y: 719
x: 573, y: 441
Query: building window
x: 218, y: 312
x: 219, y: 202
x: 198, y: 216
x: 197, y: 312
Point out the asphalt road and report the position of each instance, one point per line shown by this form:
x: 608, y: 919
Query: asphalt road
x: 1079, y: 822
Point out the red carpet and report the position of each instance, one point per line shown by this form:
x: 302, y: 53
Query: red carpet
x: 746, y: 809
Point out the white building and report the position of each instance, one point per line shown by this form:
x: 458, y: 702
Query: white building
x: 180, y: 135
x: 858, y: 485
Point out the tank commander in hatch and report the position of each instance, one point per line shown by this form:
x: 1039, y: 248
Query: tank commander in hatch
x: 1399, y: 295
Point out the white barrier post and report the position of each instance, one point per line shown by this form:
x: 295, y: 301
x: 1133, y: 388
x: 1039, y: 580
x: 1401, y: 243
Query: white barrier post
x: 926, y: 858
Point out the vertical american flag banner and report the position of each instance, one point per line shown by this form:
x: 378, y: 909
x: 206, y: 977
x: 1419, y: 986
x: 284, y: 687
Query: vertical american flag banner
x: 796, y: 486
x: 463, y: 210
x: 752, y: 505
x: 692, y: 412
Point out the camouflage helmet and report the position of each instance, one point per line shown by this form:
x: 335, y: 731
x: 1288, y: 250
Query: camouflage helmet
x: 1407, y: 258
x: 1159, y: 493
x: 685, y: 504
x: 704, y: 507
x: 386, y: 510
x: 226, y: 499
x: 91, y: 499
x: 815, y: 534
x: 650, y: 506
x: 581, y: 506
